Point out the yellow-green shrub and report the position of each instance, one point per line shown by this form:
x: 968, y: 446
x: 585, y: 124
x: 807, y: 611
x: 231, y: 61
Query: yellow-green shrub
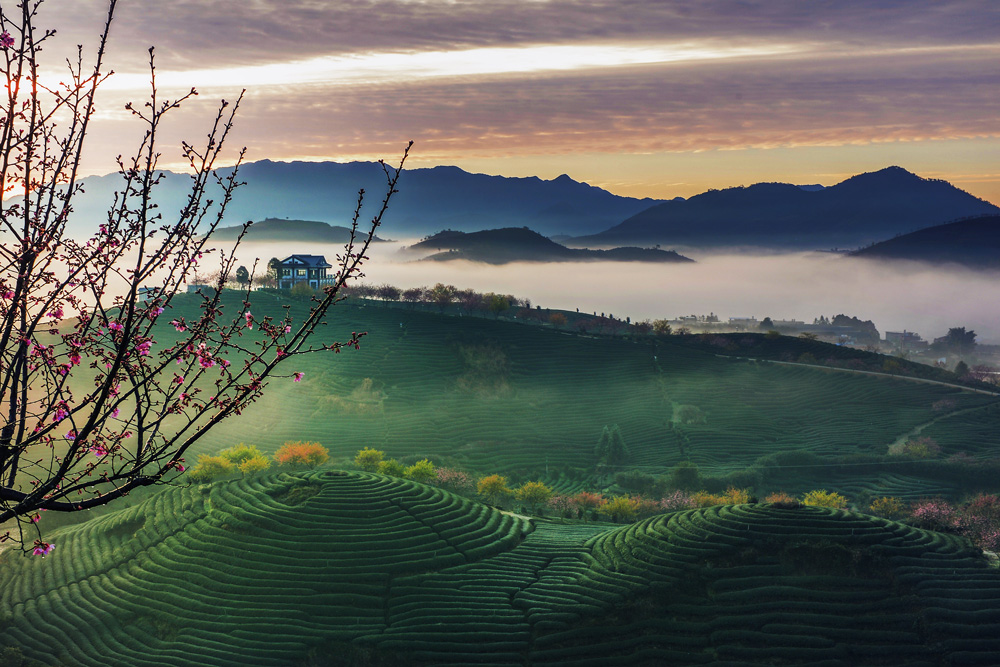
x: 824, y: 498
x: 888, y: 507
x: 210, y: 467
x: 241, y: 452
x: 368, y: 459
x: 620, y: 508
x: 421, y: 471
x: 254, y: 465
x: 391, y: 467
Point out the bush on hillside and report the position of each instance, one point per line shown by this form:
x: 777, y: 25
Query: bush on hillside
x: 311, y: 454
x: 494, y: 489
x: 209, y: 468
x: 368, y: 459
x: 533, y: 494
x: 241, y: 452
x: 453, y: 480
x: 620, y: 509
x: 254, y: 465
x: 685, y: 476
x: 391, y: 467
x: 888, y: 508
x: 824, y: 498
x: 422, y: 471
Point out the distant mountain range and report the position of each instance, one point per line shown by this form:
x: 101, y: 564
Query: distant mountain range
x: 520, y: 244
x: 274, y: 229
x: 428, y: 199
x: 972, y: 242
x: 863, y: 209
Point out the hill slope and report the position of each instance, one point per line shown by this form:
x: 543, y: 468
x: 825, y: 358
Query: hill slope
x: 349, y: 568
x: 862, y: 209
x: 520, y: 244
x: 445, y: 387
x: 974, y: 243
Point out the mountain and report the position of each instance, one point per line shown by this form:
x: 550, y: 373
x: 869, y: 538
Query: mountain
x: 520, y: 244
x: 862, y: 209
x: 273, y: 229
x: 971, y: 242
x: 428, y: 199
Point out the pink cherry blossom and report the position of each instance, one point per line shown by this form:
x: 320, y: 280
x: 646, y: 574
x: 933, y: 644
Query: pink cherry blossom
x: 297, y: 377
x: 6, y: 41
x: 116, y: 326
x: 179, y: 325
x: 43, y: 548
x: 249, y: 319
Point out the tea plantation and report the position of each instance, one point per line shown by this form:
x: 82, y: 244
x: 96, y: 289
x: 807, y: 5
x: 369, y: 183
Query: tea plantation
x: 531, y: 402
x: 332, y: 567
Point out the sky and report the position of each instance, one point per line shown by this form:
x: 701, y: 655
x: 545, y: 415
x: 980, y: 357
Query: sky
x: 656, y: 98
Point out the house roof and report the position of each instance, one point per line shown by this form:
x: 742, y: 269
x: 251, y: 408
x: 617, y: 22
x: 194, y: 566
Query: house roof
x: 307, y: 261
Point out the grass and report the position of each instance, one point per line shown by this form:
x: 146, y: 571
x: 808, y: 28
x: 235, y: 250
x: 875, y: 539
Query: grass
x: 309, y: 568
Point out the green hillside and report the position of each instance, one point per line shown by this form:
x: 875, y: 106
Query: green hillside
x: 331, y: 567
x: 530, y: 401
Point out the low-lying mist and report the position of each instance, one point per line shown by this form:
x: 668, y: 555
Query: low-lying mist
x: 801, y: 286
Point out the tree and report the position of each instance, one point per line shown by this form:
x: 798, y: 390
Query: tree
x: 368, y: 459
x: 422, y: 471
x: 661, y: 327
x: 620, y: 508
x: 533, y: 494
x: 311, y: 454
x: 242, y: 276
x: 611, y: 448
x: 99, y: 394
x: 442, y: 295
x: 957, y: 341
x: 496, y: 303
x: 494, y: 489
x: 685, y: 476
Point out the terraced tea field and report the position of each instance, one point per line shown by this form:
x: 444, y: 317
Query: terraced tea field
x: 332, y: 567
x: 523, y: 400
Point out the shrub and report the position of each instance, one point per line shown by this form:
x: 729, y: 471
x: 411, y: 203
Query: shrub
x: 368, y: 459
x: 302, y: 289
x: 454, y: 480
x: 587, y: 502
x: 888, y: 507
x: 918, y: 448
x: 980, y: 521
x: 557, y: 320
x: 685, y: 476
x: 635, y: 481
x: 646, y: 507
x: 732, y: 496
x: 254, y: 465
x: 391, y: 467
x: 620, y: 508
x: 824, y: 498
x: 935, y: 514
x: 564, y: 505
x: 210, y: 467
x: 678, y: 500
x: 533, y: 494
x: 311, y: 454
x: 421, y: 471
x: 240, y: 453
x: 494, y: 489
x: 780, y: 497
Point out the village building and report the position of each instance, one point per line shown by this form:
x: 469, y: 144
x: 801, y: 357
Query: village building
x: 309, y: 269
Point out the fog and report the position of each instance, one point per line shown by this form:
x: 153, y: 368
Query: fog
x: 802, y: 286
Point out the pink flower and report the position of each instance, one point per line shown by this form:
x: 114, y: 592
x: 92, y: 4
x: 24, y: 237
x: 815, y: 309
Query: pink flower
x: 143, y: 348
x: 116, y: 326
x: 206, y: 362
x: 114, y: 413
x: 179, y: 325
x: 57, y: 313
x: 9, y: 294
x: 297, y: 377
x: 41, y: 548
x: 288, y: 329
x: 61, y: 413
x: 36, y: 518
x: 249, y: 319
x: 179, y: 379
x: 74, y: 359
x: 98, y: 451
x: 281, y: 353
x: 6, y: 41
x: 224, y: 362
x: 71, y: 436
x: 157, y: 311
